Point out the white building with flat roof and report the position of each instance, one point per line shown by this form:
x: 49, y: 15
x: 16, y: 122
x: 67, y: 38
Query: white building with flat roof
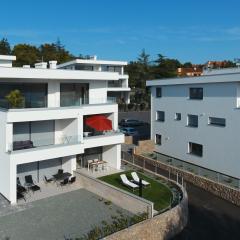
x: 196, y: 120
x: 50, y: 128
x: 115, y: 89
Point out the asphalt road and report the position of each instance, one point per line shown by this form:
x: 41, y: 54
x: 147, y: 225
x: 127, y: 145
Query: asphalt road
x: 210, y: 217
x: 141, y: 115
x: 143, y: 131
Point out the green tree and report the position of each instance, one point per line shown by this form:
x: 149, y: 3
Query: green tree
x: 187, y: 65
x: 165, y: 67
x: 55, y: 51
x: 15, y: 99
x: 5, y: 48
x: 26, y: 54
x: 139, y: 71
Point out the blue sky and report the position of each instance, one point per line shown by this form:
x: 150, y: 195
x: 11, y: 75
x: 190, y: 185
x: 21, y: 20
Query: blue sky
x: 189, y: 30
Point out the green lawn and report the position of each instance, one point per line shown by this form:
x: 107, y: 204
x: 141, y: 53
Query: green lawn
x: 158, y: 193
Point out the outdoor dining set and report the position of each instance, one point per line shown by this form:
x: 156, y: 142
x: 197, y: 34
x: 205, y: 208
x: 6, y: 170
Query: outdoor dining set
x: 61, y: 178
x: 97, y: 165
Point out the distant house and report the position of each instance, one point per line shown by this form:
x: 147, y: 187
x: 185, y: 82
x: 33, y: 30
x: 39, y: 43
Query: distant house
x: 189, y: 72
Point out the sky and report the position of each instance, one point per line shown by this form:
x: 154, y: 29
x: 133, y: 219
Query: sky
x: 187, y: 30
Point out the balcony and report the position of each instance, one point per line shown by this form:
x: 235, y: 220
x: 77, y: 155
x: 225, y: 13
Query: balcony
x: 102, y: 139
x: 113, y: 84
x: 43, y: 149
x: 43, y: 143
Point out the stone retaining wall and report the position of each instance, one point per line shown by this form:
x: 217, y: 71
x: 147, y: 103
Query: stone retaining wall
x: 128, y: 140
x: 160, y: 227
x: 144, y: 146
x: 230, y: 194
x: 123, y: 199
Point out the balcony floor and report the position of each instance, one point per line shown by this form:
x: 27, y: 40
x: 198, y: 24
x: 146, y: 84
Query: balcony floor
x: 49, y: 190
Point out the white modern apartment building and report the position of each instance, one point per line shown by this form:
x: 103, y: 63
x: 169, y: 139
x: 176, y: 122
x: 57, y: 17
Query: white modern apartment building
x: 119, y: 89
x: 49, y: 131
x: 196, y: 119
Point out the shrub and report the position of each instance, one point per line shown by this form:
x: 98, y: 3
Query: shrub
x: 15, y: 99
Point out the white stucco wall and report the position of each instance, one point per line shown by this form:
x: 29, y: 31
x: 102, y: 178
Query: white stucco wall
x: 112, y: 155
x: 97, y: 92
x: 53, y: 94
x: 221, y: 150
x: 5, y: 166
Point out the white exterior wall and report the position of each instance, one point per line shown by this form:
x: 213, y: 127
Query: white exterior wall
x: 5, y: 164
x: 97, y: 92
x: 53, y: 94
x: 112, y: 155
x: 68, y: 121
x: 221, y: 150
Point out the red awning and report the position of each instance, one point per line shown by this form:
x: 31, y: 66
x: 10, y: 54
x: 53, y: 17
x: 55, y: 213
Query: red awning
x: 99, y: 122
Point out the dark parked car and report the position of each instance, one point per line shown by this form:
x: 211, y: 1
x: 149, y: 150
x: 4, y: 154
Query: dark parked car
x: 129, y: 131
x: 130, y: 123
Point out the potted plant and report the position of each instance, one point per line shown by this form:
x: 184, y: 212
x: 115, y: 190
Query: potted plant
x: 15, y: 99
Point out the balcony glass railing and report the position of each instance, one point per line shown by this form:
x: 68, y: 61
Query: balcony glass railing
x: 115, y: 84
x: 67, y: 103
x: 44, y: 142
x: 102, y: 133
x: 80, y: 102
x: 30, y: 104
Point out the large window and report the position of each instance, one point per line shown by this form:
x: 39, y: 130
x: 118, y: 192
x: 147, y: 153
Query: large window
x: 158, y: 139
x: 160, y: 116
x: 192, y: 120
x: 220, y: 122
x: 34, y: 95
x: 84, y: 67
x: 106, y: 68
x: 41, y: 133
x: 73, y: 94
x: 158, y: 92
x: 195, y: 149
x: 196, y: 93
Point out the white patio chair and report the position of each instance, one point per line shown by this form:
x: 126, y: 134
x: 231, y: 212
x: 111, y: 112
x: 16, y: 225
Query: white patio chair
x: 127, y: 183
x: 89, y: 163
x: 136, y: 179
x: 105, y: 166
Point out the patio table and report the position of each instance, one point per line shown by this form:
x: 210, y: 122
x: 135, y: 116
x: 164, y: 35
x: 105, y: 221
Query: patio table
x: 97, y: 163
x: 61, y: 176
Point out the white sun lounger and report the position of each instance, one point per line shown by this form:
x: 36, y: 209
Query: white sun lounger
x: 127, y: 183
x: 137, y: 180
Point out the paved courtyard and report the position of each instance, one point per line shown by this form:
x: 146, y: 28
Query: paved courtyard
x: 66, y: 215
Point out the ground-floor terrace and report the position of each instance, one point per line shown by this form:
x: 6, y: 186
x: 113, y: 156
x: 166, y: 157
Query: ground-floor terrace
x: 73, y: 210
x: 49, y: 177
